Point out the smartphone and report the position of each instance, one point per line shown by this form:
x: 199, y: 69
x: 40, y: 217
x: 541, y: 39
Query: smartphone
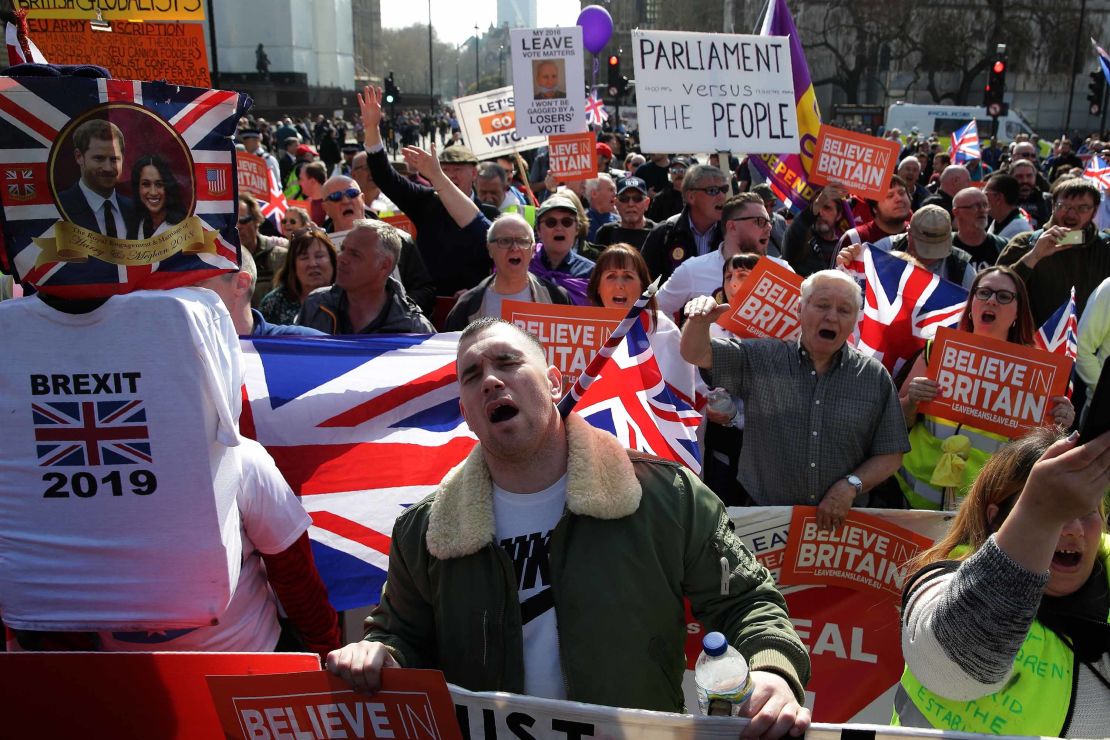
x: 1075, y: 236
x: 1098, y: 415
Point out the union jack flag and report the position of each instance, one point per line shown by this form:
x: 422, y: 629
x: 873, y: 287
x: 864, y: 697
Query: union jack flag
x: 363, y: 428
x: 965, y: 144
x: 630, y: 400
x: 1098, y: 170
x: 1060, y: 333
x: 595, y: 110
x: 274, y: 209
x: 35, y: 117
x: 903, y: 306
x: 21, y: 49
x: 82, y: 433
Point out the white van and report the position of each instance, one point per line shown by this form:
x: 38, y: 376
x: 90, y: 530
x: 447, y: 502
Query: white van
x: 942, y: 120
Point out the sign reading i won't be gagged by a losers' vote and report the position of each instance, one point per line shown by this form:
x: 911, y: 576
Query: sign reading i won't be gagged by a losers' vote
x: 698, y: 92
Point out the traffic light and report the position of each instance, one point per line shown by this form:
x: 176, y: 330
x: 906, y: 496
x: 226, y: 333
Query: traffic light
x: 392, y: 94
x: 1097, y: 87
x: 996, y: 84
x: 618, y: 83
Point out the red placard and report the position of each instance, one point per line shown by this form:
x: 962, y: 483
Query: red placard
x: 124, y: 695
x: 253, y: 175
x: 866, y: 553
x: 863, y: 164
x: 993, y: 385
x: 570, y: 334
x: 412, y: 705
x: 572, y: 156
x: 133, y: 51
x: 767, y: 304
x: 399, y: 220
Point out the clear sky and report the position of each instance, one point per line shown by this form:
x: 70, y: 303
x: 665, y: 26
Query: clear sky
x: 454, y: 19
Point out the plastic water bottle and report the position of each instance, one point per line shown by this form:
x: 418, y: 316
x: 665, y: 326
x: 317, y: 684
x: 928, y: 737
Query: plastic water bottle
x: 722, y: 677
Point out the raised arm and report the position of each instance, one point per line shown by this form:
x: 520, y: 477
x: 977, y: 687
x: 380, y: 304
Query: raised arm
x: 700, y: 313
x: 459, y: 205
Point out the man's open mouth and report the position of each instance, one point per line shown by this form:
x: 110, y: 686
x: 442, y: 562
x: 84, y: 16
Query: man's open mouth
x: 501, y: 411
x: 826, y: 334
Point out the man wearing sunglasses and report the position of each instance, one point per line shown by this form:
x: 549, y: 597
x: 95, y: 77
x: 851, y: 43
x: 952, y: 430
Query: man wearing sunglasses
x: 693, y: 231
x: 632, y: 203
x: 1069, y: 250
x: 746, y: 227
x: 454, y: 250
x: 345, y: 204
x: 561, y: 238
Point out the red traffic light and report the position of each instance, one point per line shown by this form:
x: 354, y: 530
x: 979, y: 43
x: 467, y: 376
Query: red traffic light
x: 999, y: 67
x: 614, y: 60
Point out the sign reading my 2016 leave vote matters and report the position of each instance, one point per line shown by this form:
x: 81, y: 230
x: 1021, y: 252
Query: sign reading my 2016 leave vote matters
x: 766, y: 304
x: 488, y: 123
x: 548, y: 80
x: 862, y: 164
x: 998, y: 386
x: 708, y: 92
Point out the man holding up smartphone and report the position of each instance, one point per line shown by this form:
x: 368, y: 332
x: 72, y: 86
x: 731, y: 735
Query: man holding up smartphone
x: 1069, y: 251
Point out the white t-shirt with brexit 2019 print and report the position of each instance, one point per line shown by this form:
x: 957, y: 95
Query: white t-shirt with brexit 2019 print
x: 524, y: 522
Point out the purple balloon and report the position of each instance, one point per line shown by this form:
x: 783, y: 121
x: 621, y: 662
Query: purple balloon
x: 597, y: 27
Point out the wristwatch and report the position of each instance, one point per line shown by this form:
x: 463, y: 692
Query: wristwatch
x: 855, y: 481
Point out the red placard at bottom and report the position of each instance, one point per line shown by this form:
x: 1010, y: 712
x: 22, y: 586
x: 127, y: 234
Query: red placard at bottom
x: 123, y: 695
x: 412, y: 705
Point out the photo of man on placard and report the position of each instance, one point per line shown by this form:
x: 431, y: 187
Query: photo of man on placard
x: 549, y: 76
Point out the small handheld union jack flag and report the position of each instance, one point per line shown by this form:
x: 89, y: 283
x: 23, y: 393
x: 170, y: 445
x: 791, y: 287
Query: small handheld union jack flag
x: 1098, y: 170
x: 595, y: 110
x: 965, y: 144
x: 1059, y: 334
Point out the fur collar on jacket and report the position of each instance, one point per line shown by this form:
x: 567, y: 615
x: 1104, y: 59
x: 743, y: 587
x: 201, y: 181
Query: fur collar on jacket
x: 601, y: 483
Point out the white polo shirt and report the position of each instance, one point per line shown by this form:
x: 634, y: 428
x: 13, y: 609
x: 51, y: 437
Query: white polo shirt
x: 697, y: 276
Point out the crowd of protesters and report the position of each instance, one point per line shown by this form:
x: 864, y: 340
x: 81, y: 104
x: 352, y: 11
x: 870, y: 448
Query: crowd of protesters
x: 807, y: 422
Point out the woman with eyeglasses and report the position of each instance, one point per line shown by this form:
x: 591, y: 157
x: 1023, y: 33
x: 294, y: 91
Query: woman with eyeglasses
x: 1004, y: 621
x: 296, y: 219
x: 945, y: 454
x: 309, y: 265
x: 157, y: 196
x: 510, y: 243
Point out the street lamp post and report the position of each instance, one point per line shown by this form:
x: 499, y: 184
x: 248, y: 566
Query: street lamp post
x: 431, y: 62
x: 477, y: 74
x: 501, y: 64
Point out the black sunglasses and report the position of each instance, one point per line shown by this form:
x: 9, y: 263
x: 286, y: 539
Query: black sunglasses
x: 631, y: 198
x: 338, y: 195
x: 713, y: 190
x: 566, y: 222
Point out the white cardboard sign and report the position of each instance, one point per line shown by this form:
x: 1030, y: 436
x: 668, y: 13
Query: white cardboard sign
x: 710, y: 92
x: 488, y: 123
x: 548, y: 80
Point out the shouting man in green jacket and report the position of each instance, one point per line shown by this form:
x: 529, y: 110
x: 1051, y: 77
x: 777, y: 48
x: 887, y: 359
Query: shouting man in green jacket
x: 552, y: 562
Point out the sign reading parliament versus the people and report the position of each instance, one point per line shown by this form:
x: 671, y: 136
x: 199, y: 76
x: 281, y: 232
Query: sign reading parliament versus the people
x: 708, y: 92
x: 998, y: 386
x: 488, y: 123
x: 862, y: 164
x: 766, y: 304
x: 548, y: 80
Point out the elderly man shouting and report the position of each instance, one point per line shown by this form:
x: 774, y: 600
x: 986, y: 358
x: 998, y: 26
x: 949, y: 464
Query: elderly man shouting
x: 823, y: 424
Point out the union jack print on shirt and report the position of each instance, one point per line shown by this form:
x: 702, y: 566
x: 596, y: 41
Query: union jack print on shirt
x: 34, y: 111
x: 83, y: 433
x: 903, y: 306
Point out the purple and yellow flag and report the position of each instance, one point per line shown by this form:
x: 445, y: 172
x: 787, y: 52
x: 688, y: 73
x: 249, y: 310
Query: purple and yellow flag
x: 786, y: 173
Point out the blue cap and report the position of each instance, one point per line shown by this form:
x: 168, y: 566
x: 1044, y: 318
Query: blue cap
x: 714, y: 644
x: 631, y: 183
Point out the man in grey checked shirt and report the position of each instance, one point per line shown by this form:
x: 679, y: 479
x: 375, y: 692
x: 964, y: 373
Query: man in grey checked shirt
x: 822, y: 421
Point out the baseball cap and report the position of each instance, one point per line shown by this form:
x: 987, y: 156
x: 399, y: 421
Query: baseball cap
x: 556, y: 201
x: 931, y: 229
x: 250, y: 133
x: 305, y: 150
x: 684, y: 161
x: 631, y: 183
x: 457, y: 154
x: 604, y: 150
